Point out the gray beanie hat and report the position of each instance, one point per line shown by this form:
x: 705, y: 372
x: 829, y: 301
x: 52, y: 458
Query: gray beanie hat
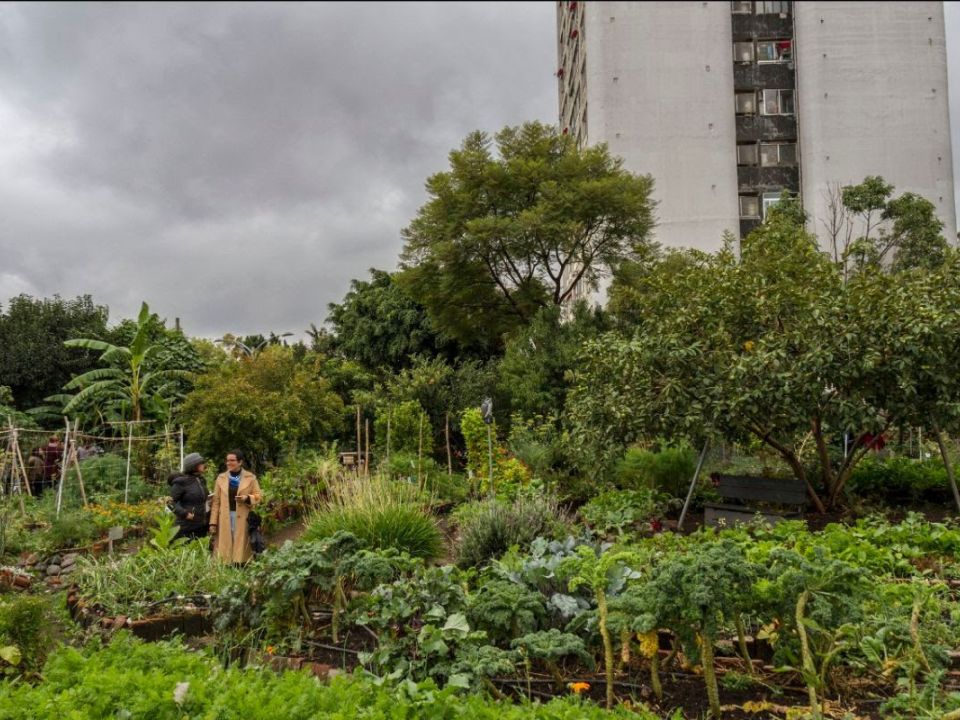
x: 191, y: 461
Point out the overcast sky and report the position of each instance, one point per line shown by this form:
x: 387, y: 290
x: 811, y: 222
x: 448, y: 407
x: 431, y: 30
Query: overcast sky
x: 236, y: 165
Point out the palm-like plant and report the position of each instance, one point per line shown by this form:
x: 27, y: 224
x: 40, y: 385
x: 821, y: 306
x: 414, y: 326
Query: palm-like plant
x: 135, y: 377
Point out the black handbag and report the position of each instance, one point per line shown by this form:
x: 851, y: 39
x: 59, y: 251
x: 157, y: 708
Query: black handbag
x: 257, y: 542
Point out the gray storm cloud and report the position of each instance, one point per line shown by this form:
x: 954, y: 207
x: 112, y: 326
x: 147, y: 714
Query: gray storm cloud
x: 237, y: 164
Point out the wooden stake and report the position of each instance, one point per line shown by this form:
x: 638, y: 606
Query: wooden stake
x: 359, y: 446
x: 420, y: 456
x: 389, y: 415
x: 63, y: 466
x: 126, y: 487
x: 449, y: 455
x: 366, y: 461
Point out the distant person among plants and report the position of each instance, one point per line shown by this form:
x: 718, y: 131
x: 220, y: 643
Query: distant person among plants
x: 236, y: 491
x: 188, y: 493
x: 52, y: 456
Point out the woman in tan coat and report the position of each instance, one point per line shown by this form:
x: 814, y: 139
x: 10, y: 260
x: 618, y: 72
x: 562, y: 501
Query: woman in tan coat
x: 234, y: 493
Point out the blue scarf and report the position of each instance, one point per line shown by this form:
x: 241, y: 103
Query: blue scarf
x: 234, y: 479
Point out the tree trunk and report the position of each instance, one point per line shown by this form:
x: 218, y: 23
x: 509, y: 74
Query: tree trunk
x: 795, y: 465
x: 947, y: 464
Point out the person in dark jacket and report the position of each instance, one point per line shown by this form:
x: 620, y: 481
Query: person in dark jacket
x: 188, y: 493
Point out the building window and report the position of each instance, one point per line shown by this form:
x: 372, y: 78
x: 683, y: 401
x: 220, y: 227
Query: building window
x: 769, y: 200
x: 743, y: 52
x: 774, y: 51
x: 746, y: 103
x: 741, y: 7
x: 778, y: 155
x: 777, y: 7
x: 749, y: 206
x: 777, y: 102
x: 747, y: 154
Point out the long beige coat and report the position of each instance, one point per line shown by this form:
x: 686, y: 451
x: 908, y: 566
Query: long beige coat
x: 233, y: 548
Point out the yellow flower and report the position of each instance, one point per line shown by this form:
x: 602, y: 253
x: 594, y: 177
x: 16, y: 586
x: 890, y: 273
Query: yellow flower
x: 271, y: 649
x: 748, y: 345
x: 579, y: 687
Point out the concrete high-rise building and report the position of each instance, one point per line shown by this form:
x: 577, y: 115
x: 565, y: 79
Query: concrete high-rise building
x: 726, y: 104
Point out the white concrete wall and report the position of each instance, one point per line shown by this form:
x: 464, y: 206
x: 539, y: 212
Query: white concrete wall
x: 872, y: 100
x: 660, y: 94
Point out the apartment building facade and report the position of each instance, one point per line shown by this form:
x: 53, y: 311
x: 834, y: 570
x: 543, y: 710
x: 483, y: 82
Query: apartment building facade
x: 727, y: 104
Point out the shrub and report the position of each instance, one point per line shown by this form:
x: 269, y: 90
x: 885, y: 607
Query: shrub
x: 509, y: 474
x: 300, y: 480
x: 380, y: 512
x: 489, y: 528
x: 25, y: 624
x: 619, y: 510
x: 900, y: 478
x: 667, y: 471
x: 73, y: 528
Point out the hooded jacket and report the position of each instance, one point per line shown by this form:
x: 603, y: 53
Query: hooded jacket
x: 189, y: 495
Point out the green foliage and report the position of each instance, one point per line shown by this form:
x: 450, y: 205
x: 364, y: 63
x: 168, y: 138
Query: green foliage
x: 105, y: 477
x: 669, y: 470
x: 408, y: 421
x: 33, y: 360
x: 299, y: 482
x: 900, y: 479
x: 25, y: 623
x: 268, y: 404
x: 509, y: 474
x: 138, y: 680
x: 536, y: 370
x: 552, y: 646
x: 146, y: 377
x: 619, y: 511
x: 72, y: 529
x: 131, y: 584
x: 381, y: 327
x: 488, y: 528
x: 489, y: 248
x: 382, y: 513
x: 505, y: 610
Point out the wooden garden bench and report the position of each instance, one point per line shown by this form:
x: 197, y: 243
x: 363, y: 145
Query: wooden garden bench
x: 786, y: 492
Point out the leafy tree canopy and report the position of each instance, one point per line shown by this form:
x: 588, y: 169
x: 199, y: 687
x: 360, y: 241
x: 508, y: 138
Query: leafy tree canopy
x: 267, y: 404
x: 33, y: 360
x: 506, y: 233
x: 381, y: 327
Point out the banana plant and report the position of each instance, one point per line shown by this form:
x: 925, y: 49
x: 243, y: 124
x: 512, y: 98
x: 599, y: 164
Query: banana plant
x: 133, y: 379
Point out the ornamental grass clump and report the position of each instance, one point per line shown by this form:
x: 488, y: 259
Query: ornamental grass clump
x: 380, y: 512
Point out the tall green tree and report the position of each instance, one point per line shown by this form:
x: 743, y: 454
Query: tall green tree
x: 516, y: 227
x: 765, y: 346
x: 897, y: 233
x: 380, y: 326
x: 34, y: 362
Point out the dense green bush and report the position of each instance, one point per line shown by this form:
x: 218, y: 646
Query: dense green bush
x: 405, y: 429
x: 25, y: 624
x: 382, y: 513
x: 900, y: 478
x: 74, y: 528
x: 668, y: 470
x: 488, y: 528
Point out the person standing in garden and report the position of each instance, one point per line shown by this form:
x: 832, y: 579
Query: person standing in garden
x: 235, y: 493
x: 52, y: 455
x: 188, y: 492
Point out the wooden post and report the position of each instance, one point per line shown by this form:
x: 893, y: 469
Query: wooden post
x: 126, y: 487
x: 366, y: 460
x: 449, y: 455
x: 359, y: 446
x: 19, y: 456
x: 693, y: 485
x: 181, y: 448
x: 389, y: 415
x: 420, y: 455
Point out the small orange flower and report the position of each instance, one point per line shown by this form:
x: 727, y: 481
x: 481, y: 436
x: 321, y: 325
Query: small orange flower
x: 579, y: 687
x: 271, y: 649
